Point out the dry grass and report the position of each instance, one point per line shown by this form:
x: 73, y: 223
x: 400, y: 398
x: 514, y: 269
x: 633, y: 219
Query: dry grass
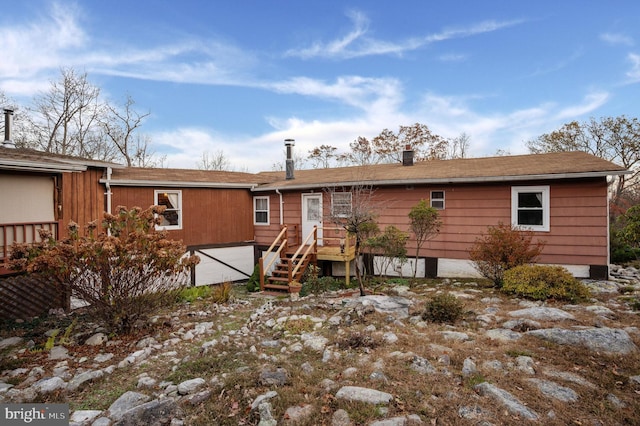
x: 436, y: 398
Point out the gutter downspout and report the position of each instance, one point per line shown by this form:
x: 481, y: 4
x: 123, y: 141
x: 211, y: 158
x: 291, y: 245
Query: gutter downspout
x: 281, y: 207
x: 107, y: 185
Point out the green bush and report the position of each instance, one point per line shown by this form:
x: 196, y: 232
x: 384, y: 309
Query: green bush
x: 502, y: 248
x: 443, y: 308
x: 253, y: 284
x: 540, y: 282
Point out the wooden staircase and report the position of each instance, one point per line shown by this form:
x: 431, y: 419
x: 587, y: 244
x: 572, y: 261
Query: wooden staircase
x: 289, y: 262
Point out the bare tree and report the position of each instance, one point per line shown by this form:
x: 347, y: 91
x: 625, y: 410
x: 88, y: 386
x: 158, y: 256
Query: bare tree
x: 359, y: 222
x: 213, y: 161
x: 322, y: 156
x: 459, y: 146
x: 616, y: 139
x: 361, y: 153
x: 120, y: 126
x: 64, y: 120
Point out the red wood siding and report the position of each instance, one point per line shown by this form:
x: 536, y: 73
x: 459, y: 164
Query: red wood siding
x: 209, y: 216
x: 578, y: 222
x: 82, y: 198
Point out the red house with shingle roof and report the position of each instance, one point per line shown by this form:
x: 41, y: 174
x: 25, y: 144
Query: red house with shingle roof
x: 231, y: 218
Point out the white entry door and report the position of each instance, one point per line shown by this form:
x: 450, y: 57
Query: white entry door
x: 311, y: 215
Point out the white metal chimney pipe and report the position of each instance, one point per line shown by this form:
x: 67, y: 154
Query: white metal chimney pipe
x: 8, y: 143
x: 289, y: 166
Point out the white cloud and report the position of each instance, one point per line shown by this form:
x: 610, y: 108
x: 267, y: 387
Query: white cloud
x: 591, y: 102
x: 616, y: 38
x: 634, y: 72
x: 356, y: 43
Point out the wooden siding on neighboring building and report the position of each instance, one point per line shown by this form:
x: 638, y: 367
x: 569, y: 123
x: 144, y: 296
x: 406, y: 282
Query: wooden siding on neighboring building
x: 210, y: 216
x: 578, y: 223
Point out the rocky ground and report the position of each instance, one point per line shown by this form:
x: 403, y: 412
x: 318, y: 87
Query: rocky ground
x: 338, y: 359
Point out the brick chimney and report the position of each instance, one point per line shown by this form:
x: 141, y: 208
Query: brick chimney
x: 407, y: 156
x: 289, y: 166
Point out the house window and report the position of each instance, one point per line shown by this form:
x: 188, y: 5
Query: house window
x: 171, y: 218
x: 437, y: 200
x: 530, y: 207
x: 341, y: 204
x: 260, y: 210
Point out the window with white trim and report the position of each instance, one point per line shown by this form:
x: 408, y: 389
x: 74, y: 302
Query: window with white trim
x: 260, y: 210
x: 530, y: 207
x: 437, y: 200
x: 341, y: 204
x: 171, y: 218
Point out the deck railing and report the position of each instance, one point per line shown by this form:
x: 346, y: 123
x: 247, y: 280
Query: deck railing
x: 27, y: 232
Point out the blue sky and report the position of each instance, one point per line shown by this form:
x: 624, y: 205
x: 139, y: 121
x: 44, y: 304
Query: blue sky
x: 242, y: 76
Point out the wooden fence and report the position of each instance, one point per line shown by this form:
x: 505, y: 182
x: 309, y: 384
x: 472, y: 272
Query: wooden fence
x: 27, y: 296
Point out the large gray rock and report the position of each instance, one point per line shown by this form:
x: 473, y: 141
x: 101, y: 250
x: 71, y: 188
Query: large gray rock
x: 608, y: 340
x: 49, y: 384
x: 10, y: 341
x: 58, y: 352
x: 126, y: 402
x: 392, y: 305
x: 370, y: 396
x: 157, y: 412
x: 84, y: 416
x: 82, y: 378
x: 542, y: 313
x: 554, y: 390
x: 510, y: 402
x: 190, y: 386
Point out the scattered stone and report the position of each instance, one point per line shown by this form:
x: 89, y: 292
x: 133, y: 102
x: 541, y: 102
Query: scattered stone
x: 266, y: 418
x: 190, y: 386
x: 262, y: 398
x: 389, y: 338
x: 49, y: 384
x: 82, y: 378
x: 470, y: 413
x: 279, y: 377
x: 570, y: 377
x: 511, y: 403
x: 370, y: 396
x: 469, y: 367
x: 58, y: 352
x: 314, y: 341
x: 298, y: 414
x: 525, y: 364
x: 609, y: 340
x: 422, y: 365
x: 340, y: 418
x: 455, y: 335
x: 100, y: 358
x: 392, y: 305
x: 543, y: 313
x: 10, y: 341
x: 126, y: 402
x: 156, y: 412
x: 96, y: 340
x: 554, y: 390
x: 84, y: 416
x: 503, y: 335
x: 5, y: 387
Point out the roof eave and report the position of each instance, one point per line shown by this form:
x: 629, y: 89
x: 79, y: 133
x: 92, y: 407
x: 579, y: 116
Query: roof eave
x: 177, y: 184
x: 426, y: 181
x: 35, y: 166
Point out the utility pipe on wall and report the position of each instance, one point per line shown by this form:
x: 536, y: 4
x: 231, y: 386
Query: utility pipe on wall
x: 281, y: 207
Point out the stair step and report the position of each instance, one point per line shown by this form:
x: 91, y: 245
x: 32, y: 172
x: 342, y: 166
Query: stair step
x: 276, y: 287
x: 279, y: 279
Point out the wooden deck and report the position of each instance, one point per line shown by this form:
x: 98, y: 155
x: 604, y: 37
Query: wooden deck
x: 338, y: 254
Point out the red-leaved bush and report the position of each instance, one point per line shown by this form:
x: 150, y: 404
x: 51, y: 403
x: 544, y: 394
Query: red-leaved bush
x: 503, y: 247
x: 124, y: 270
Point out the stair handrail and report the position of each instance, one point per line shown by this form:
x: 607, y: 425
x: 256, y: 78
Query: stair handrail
x: 282, y: 236
x: 313, y: 246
